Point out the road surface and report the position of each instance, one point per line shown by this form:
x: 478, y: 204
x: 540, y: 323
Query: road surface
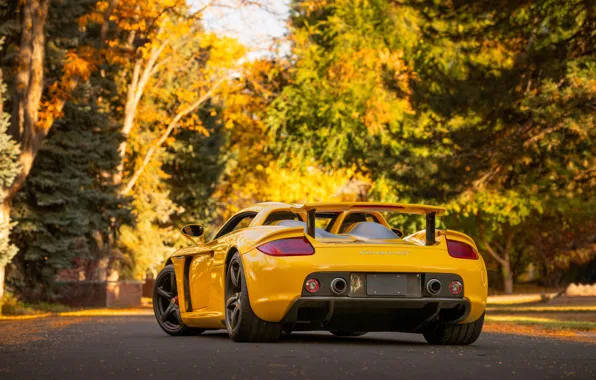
x: 135, y: 348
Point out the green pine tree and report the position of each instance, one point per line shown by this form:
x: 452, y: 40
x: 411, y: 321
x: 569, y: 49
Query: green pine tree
x: 194, y: 164
x: 68, y: 207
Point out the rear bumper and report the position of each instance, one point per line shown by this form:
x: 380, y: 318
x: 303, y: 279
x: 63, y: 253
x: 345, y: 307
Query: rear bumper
x: 275, y: 284
x: 327, y: 312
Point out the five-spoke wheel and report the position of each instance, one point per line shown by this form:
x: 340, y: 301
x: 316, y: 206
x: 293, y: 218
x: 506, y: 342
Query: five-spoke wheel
x: 233, y: 292
x: 166, y: 305
x: 241, y: 322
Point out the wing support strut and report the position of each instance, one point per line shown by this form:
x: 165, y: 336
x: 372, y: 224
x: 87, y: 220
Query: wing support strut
x: 310, y: 222
x: 430, y: 228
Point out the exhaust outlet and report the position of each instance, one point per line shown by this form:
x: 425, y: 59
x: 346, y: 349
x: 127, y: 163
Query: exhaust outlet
x: 338, y: 286
x: 434, y: 286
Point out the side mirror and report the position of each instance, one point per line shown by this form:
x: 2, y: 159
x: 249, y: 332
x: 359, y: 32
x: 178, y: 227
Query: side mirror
x: 398, y: 232
x: 194, y: 231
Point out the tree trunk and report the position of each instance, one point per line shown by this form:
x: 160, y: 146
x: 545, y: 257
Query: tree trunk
x: 5, y: 249
x: 506, y: 265
x: 503, y: 258
x: 29, y: 88
x: 136, y: 89
x: 24, y: 128
x: 2, y: 271
x: 507, y: 277
x: 103, y: 35
x: 23, y: 75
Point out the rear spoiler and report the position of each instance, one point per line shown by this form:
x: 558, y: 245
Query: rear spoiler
x: 310, y: 209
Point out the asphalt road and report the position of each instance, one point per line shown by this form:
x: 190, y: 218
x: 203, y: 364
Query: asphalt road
x: 135, y: 348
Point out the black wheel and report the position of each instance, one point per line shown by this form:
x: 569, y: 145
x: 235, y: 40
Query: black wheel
x: 241, y: 322
x: 166, y: 307
x: 347, y: 333
x: 454, y: 334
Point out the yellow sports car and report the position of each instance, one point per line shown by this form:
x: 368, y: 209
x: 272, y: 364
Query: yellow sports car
x: 275, y: 268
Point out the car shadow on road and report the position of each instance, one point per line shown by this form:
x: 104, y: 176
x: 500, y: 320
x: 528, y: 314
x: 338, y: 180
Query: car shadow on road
x: 324, y: 339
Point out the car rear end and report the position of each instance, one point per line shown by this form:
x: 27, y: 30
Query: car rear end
x: 337, y: 284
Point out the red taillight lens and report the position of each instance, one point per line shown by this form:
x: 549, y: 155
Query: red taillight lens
x: 312, y: 285
x: 455, y: 287
x: 461, y: 250
x: 287, y: 247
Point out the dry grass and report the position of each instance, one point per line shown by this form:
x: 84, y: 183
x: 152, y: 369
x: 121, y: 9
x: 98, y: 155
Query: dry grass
x: 544, y: 323
x: 516, y: 299
x: 569, y: 318
x: 540, y: 329
x: 542, y: 309
x: 82, y: 313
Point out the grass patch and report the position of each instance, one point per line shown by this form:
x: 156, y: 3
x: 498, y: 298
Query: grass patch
x: 543, y: 309
x: 11, y: 306
x: 519, y: 299
x: 545, y: 323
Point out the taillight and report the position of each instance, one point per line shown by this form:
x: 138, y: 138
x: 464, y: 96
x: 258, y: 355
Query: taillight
x: 312, y: 285
x: 461, y: 250
x: 455, y: 287
x: 287, y: 247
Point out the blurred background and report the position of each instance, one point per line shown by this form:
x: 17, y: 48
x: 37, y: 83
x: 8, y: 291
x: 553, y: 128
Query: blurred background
x: 121, y: 121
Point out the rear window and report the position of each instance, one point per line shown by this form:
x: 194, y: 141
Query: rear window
x: 356, y: 217
x: 277, y: 216
x: 325, y: 220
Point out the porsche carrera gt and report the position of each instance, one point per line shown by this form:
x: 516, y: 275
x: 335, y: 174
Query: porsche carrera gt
x: 274, y: 268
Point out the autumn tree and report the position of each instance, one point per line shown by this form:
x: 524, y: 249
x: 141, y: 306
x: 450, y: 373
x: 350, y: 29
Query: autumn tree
x: 148, y: 39
x: 517, y: 110
x: 119, y: 53
x: 42, y: 207
x: 251, y: 162
x: 27, y: 90
x: 484, y: 106
x: 9, y: 168
x: 179, y: 93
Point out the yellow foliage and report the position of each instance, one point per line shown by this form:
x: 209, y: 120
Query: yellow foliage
x: 296, y: 183
x: 77, y: 68
x: 255, y: 176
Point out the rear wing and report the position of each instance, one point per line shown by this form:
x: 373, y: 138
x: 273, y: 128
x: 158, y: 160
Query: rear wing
x: 309, y: 210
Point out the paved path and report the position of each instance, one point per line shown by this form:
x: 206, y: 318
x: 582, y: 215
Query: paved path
x: 135, y: 348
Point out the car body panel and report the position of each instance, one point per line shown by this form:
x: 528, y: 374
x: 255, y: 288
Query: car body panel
x: 289, y: 273
x: 275, y: 283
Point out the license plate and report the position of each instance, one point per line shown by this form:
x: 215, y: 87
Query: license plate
x: 387, y: 284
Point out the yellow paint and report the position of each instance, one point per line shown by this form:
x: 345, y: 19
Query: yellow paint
x: 275, y: 282
x: 200, y: 280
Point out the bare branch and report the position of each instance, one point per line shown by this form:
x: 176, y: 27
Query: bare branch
x: 173, y: 124
x: 492, y: 252
x: 106, y: 22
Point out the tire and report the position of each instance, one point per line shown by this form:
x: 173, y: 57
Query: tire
x: 241, y: 322
x: 347, y: 333
x: 454, y: 334
x: 166, y: 307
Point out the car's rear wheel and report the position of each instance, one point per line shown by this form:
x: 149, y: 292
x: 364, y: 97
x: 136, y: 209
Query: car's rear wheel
x: 347, y: 333
x: 166, y: 306
x: 241, y: 322
x: 454, y: 334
